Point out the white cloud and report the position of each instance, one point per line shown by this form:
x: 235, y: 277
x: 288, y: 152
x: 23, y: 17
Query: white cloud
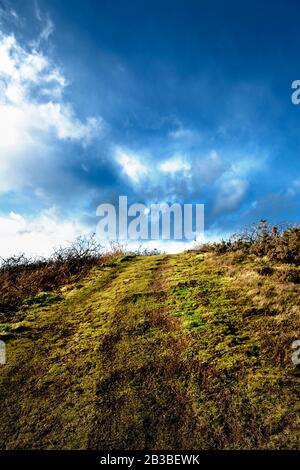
x: 37, y: 236
x: 207, y: 169
x: 46, y: 23
x: 294, y: 187
x: 174, y: 165
x: 33, y: 113
x: 131, y: 165
x: 8, y: 14
x: 181, y: 133
x: 230, y: 194
x: 47, y: 30
x: 19, y: 67
x: 234, y: 178
x: 41, y: 235
x: 248, y: 164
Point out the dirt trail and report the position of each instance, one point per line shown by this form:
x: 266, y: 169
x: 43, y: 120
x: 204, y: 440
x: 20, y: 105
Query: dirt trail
x: 140, y: 402
x: 102, y: 369
x: 47, y: 386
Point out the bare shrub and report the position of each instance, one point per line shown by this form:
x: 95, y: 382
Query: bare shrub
x: 278, y: 243
x: 22, y: 277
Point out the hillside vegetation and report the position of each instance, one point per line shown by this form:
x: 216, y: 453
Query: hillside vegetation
x: 185, y: 351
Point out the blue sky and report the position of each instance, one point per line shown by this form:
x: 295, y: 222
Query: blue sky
x: 186, y: 101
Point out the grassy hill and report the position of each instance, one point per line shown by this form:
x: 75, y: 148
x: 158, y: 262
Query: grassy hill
x: 156, y: 352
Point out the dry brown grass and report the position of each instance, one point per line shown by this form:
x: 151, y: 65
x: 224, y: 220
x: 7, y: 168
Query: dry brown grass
x: 21, y: 277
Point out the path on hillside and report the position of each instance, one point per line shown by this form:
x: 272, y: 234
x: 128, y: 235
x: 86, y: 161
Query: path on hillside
x: 103, y: 366
x: 186, y: 351
x: 140, y: 402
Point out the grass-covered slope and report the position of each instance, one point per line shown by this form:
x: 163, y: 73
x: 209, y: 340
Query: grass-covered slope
x: 156, y: 352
